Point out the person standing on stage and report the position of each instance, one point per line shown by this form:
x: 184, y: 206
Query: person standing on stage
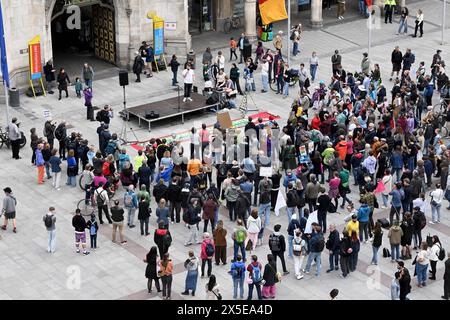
x: 188, y: 79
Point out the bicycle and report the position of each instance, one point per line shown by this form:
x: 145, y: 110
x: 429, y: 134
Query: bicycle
x: 87, y: 209
x: 292, y: 82
x: 440, y: 107
x: 4, y: 139
x: 231, y: 23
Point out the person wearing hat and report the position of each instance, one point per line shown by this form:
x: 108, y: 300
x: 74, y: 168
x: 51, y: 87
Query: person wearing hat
x: 9, y: 209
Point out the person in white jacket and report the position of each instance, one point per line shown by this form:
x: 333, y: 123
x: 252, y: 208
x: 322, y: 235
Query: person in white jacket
x: 436, y: 202
x: 253, y: 228
x: 265, y: 76
x: 387, y: 181
x: 433, y: 255
x: 298, y: 245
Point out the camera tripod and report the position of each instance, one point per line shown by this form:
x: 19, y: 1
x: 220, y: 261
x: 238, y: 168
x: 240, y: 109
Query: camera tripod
x: 243, y: 108
x: 126, y: 117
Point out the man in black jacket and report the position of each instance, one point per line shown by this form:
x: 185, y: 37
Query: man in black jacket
x: 404, y: 281
x: 277, y: 245
x: 174, y: 197
x: 79, y: 224
x: 243, y: 205
x: 446, y: 295
x: 333, y: 245
x: 138, y: 66
x: 117, y: 218
x: 49, y: 132
x: 61, y: 135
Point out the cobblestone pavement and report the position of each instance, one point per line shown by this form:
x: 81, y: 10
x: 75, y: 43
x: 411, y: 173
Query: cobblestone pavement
x: 27, y: 271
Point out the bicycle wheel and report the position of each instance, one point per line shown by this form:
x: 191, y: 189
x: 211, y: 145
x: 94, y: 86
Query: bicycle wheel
x: 81, y: 183
x: 444, y: 131
x: 227, y: 26
x: 293, y: 82
x: 86, y: 209
x: 273, y: 85
x: 438, y: 108
x: 23, y: 140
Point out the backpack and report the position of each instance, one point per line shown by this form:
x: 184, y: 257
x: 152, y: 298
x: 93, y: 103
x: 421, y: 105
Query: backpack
x: 297, y: 248
x: 320, y: 244
x: 238, y: 271
x: 48, y: 221
x: 423, y: 220
x: 71, y: 144
x: 274, y: 242
x: 128, y: 200
x: 256, y: 275
x: 386, y: 253
x: 240, y: 236
x: 292, y: 37
x: 93, y: 230
x: 100, y: 199
x: 209, y: 249
x: 167, y: 240
x: 98, y: 116
x: 441, y: 254
x: 111, y: 147
x: 59, y: 133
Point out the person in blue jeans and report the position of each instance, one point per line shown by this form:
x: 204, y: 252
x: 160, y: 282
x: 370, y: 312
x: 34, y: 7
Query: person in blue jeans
x: 238, y: 274
x: 293, y: 225
x: 377, y: 241
x: 264, y: 210
x: 255, y: 278
x: 239, y: 235
x: 333, y: 245
x: 174, y: 64
x: 363, y: 218
x: 316, y: 246
x: 395, y: 235
x: 422, y: 263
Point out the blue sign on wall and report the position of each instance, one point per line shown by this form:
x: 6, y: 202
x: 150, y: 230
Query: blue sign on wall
x: 158, y: 40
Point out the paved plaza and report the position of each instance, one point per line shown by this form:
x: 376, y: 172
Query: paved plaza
x: 112, y: 271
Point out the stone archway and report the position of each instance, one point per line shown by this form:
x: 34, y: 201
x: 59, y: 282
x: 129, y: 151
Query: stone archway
x: 122, y: 13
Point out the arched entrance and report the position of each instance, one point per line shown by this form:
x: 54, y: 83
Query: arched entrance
x: 83, y: 31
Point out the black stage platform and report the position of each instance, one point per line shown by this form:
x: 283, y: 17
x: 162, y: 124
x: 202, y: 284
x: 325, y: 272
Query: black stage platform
x: 169, y: 108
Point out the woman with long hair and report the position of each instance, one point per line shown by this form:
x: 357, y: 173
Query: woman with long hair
x: 434, y: 256
x: 377, y: 241
x: 165, y: 271
x: 191, y: 265
x: 212, y: 289
x: 150, y: 272
x: 355, y: 246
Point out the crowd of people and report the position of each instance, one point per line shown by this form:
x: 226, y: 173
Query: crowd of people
x: 347, y: 131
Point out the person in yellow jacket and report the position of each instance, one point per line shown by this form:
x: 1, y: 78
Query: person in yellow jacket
x: 389, y: 6
x: 353, y: 225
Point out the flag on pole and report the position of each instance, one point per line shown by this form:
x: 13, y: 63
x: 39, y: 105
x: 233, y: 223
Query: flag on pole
x: 281, y: 203
x: 272, y: 10
x: 3, y: 60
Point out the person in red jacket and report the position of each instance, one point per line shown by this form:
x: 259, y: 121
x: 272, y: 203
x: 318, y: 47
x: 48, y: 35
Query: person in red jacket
x: 341, y: 147
x: 162, y: 238
x: 207, y: 253
x: 315, y: 122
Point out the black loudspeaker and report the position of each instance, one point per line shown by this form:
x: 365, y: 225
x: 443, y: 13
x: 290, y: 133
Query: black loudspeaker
x: 123, y: 77
x: 150, y: 114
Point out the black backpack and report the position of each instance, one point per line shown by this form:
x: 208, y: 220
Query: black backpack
x: 167, y: 240
x: 49, y: 222
x: 292, y: 37
x: 441, y: 254
x: 59, y: 133
x: 386, y: 253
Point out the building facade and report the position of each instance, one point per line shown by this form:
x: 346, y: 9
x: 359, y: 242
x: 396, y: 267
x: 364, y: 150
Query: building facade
x: 112, y: 30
